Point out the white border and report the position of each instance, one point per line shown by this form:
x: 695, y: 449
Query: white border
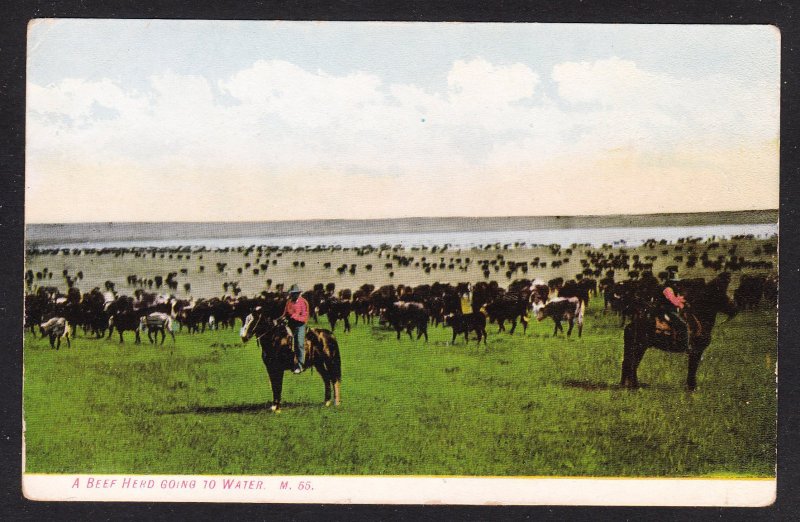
x: 402, y: 490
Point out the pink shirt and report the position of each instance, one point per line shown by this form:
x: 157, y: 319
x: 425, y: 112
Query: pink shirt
x: 297, y: 310
x: 677, y: 300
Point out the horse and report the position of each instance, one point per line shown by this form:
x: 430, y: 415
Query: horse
x: 647, y: 328
x: 154, y: 323
x: 275, y: 340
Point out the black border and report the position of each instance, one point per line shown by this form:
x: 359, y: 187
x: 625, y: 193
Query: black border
x: 14, y: 18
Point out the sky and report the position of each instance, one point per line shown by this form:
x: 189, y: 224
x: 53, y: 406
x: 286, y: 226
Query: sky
x: 169, y: 120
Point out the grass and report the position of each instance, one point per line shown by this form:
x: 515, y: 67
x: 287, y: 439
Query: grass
x: 526, y: 405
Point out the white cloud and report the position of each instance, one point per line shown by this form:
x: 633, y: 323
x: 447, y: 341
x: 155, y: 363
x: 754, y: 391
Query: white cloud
x: 475, y: 145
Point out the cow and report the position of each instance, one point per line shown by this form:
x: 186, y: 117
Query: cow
x: 539, y: 292
x: 407, y: 315
x: 335, y: 309
x: 56, y: 329
x: 562, y: 309
x: 577, y: 289
x: 466, y: 323
x: 154, y: 323
x: 507, y: 308
x: 749, y: 292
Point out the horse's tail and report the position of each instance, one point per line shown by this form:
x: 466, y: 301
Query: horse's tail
x: 336, y: 359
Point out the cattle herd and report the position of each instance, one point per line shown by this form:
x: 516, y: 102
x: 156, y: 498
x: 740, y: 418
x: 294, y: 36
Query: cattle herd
x: 465, y: 307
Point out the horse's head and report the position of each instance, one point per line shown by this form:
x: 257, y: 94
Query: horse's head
x: 247, y: 328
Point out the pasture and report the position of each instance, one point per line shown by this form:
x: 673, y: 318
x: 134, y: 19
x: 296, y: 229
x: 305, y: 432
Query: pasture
x: 525, y: 405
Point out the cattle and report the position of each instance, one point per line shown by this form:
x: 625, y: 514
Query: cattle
x: 507, y: 308
x: 56, y: 329
x: 405, y: 315
x: 362, y: 309
x: 539, y: 291
x: 466, y: 323
x: 483, y: 293
x: 335, y: 309
x: 577, y: 289
x: 750, y: 291
x: 122, y: 316
x: 154, y: 323
x: 562, y: 309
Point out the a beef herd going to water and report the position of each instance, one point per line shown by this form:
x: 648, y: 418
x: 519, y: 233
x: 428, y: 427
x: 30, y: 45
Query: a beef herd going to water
x: 465, y: 307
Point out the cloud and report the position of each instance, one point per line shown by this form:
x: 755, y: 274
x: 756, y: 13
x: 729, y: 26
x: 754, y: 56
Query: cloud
x: 488, y: 140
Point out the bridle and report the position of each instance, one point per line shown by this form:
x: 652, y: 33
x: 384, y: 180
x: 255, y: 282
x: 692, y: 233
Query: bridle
x: 268, y: 331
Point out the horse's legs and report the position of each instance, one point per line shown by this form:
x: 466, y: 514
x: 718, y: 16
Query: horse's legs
x: 120, y: 336
x: 454, y: 337
x: 694, y: 361
x: 557, y: 327
x: 276, y: 382
x: 326, y: 379
x: 66, y: 336
x: 524, y: 322
x: 163, y: 336
x: 138, y: 339
x: 346, y: 324
x: 337, y: 396
x: 172, y: 335
x: 571, y: 324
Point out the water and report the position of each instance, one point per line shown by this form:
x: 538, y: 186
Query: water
x: 630, y: 236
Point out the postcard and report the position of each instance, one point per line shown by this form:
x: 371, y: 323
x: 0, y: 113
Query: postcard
x: 401, y: 263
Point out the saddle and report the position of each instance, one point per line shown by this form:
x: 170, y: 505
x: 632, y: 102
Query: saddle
x: 663, y: 326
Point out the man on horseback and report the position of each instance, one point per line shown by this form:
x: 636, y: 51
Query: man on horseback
x: 674, y: 316
x: 296, y: 312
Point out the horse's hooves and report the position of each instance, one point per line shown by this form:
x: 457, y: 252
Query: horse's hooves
x: 327, y: 404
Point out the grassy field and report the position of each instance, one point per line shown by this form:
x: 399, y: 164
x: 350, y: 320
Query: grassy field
x: 525, y: 405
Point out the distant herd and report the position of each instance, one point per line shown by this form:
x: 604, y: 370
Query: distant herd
x: 465, y: 307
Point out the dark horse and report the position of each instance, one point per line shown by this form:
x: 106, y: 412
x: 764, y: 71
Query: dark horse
x: 322, y: 352
x: 647, y: 328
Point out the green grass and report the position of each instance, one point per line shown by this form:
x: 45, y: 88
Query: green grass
x: 523, y: 406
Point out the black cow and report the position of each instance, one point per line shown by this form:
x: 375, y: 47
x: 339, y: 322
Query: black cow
x: 335, y: 309
x: 750, y: 291
x: 562, y: 309
x: 507, y: 308
x: 407, y: 315
x: 466, y: 323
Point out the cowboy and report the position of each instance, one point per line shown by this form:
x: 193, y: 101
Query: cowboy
x: 674, y: 314
x: 296, y: 312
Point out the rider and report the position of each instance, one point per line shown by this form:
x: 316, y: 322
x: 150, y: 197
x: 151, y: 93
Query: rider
x: 297, y: 313
x: 673, y: 314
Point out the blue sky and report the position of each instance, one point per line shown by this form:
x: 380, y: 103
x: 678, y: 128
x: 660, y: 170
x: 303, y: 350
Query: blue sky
x: 396, y: 119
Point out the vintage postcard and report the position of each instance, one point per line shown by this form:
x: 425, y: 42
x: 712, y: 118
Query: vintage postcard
x: 453, y: 263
